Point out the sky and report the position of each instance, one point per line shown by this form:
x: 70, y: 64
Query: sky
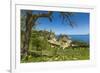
x: 81, y: 21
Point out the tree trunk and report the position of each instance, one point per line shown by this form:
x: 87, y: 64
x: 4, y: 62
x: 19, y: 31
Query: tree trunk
x: 27, y: 34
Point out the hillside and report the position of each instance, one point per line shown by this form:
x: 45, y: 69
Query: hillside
x: 45, y: 46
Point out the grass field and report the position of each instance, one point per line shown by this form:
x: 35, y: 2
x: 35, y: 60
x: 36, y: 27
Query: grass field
x: 58, y: 55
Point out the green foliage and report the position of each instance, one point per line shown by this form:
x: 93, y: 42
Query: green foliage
x: 62, y: 55
x: 39, y: 42
x: 80, y: 43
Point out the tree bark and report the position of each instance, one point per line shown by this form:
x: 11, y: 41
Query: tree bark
x: 27, y: 34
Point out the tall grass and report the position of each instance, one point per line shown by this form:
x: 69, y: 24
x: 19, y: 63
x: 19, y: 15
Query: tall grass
x: 67, y: 54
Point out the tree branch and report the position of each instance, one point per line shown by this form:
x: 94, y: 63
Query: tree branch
x: 43, y: 15
x: 66, y: 17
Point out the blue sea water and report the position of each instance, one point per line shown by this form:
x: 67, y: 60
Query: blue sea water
x: 83, y: 38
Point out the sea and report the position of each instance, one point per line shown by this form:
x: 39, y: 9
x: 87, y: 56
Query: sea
x: 82, y: 38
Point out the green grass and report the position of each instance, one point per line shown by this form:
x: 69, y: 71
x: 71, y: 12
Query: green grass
x: 54, y: 54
